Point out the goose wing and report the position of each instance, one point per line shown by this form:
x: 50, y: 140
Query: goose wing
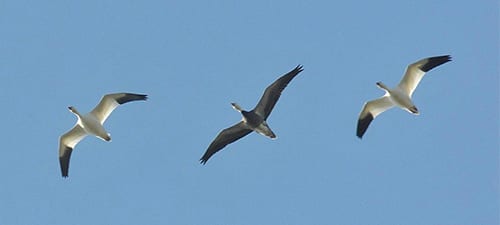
x: 66, y: 144
x: 371, y: 110
x: 273, y: 92
x: 225, y: 137
x: 110, y: 101
x: 416, y: 71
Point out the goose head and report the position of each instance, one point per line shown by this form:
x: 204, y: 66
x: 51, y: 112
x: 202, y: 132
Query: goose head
x: 236, y: 107
x: 73, y: 110
x: 382, y: 86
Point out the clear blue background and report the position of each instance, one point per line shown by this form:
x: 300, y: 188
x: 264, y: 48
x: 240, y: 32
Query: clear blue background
x: 195, y: 57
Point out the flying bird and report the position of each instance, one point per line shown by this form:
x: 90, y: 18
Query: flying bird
x: 399, y: 96
x: 91, y: 124
x: 254, y: 120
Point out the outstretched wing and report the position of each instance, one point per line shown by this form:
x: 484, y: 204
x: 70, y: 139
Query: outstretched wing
x: 109, y: 102
x: 416, y: 71
x: 273, y: 93
x: 66, y: 144
x: 371, y: 110
x: 225, y: 137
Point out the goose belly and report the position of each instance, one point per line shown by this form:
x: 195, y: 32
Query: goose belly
x: 401, y: 99
x: 93, y: 126
x: 265, y: 130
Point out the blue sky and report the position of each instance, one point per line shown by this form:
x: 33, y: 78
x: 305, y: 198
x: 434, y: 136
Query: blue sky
x: 195, y: 57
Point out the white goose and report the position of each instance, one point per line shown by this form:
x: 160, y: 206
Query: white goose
x: 399, y: 96
x: 91, y: 124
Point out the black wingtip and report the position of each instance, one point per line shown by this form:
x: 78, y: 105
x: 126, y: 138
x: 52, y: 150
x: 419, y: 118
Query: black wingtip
x: 299, y: 68
x: 363, y: 124
x: 204, y: 158
x: 433, y: 62
x: 64, y: 172
x: 64, y: 162
x: 129, y: 97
